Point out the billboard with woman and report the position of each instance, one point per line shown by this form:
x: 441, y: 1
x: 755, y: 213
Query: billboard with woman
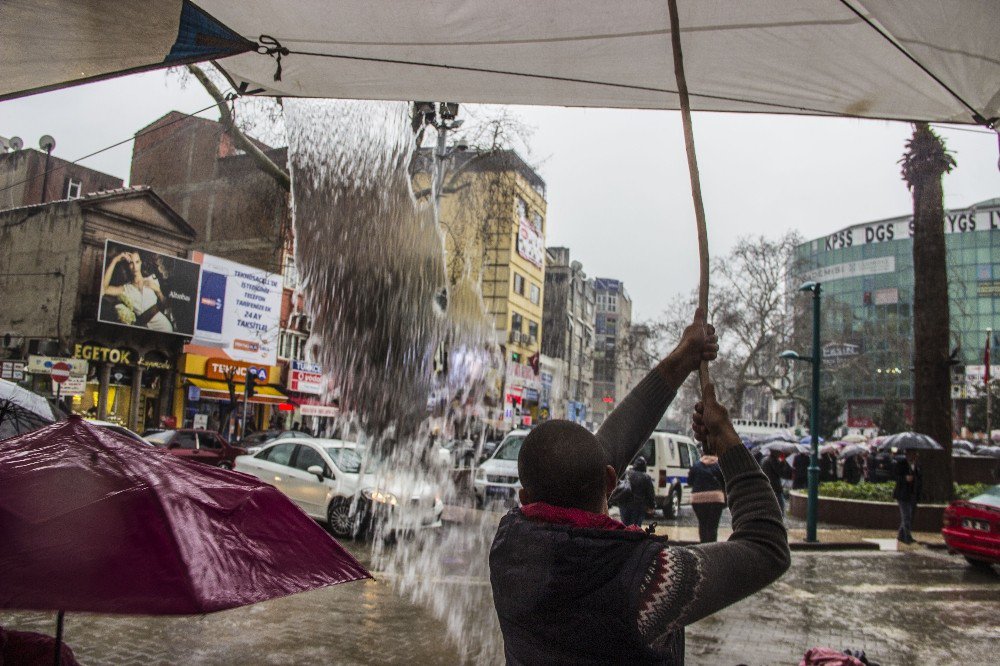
x: 145, y: 289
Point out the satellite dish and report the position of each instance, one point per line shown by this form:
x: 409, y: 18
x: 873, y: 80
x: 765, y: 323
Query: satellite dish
x: 47, y: 143
x: 16, y: 143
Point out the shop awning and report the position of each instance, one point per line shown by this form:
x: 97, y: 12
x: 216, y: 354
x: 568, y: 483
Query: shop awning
x: 213, y: 390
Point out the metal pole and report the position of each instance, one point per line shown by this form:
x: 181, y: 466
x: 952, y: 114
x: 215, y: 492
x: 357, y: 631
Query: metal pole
x: 989, y: 393
x: 811, y: 507
x: 45, y: 176
x: 59, y: 634
x: 246, y: 404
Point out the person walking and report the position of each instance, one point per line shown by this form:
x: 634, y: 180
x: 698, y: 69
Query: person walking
x: 828, y: 466
x: 708, y: 496
x: 800, y: 471
x: 909, y: 483
x: 776, y: 468
x: 642, y: 499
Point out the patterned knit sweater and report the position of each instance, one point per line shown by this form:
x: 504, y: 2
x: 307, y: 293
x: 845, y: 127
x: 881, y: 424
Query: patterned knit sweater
x: 557, y: 600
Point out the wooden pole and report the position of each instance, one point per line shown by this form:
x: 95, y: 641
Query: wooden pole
x: 692, y: 159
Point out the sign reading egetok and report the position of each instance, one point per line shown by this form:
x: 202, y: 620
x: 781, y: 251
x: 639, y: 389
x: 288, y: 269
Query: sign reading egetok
x: 239, y: 309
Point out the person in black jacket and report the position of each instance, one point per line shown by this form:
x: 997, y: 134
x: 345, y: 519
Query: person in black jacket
x: 571, y: 585
x: 642, y: 499
x: 800, y: 471
x: 828, y: 466
x: 776, y: 468
x: 708, y: 496
x: 909, y: 483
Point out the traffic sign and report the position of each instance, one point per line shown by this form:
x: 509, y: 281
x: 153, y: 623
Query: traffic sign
x: 60, y: 372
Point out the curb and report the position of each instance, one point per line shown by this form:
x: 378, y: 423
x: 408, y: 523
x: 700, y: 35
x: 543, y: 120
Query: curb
x: 832, y: 545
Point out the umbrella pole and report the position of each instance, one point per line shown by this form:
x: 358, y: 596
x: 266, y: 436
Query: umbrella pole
x: 59, y: 635
x: 692, y: 160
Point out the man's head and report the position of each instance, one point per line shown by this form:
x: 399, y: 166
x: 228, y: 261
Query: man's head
x: 640, y: 464
x: 561, y: 463
x: 911, y: 455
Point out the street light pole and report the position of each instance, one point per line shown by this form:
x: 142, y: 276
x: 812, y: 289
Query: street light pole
x: 816, y: 358
x: 813, y: 503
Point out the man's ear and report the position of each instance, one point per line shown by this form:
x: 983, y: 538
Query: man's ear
x: 524, y: 496
x: 610, y: 480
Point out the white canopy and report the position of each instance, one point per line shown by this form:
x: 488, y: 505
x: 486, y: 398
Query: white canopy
x: 898, y: 59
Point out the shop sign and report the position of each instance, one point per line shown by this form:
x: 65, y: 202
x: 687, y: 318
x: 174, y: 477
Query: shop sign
x: 194, y: 393
x: 154, y: 364
x: 13, y: 371
x: 530, y: 244
x: 305, y: 378
x: 219, y: 368
x: 149, y: 290
x: 531, y: 395
x: 239, y: 309
x: 850, y: 269
x: 104, y: 354
x: 42, y: 365
x: 200, y: 421
x: 957, y: 222
x: 74, y: 385
x: 318, y: 410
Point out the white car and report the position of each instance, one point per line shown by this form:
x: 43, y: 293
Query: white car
x: 323, y: 477
x: 668, y: 459
x: 120, y: 429
x: 496, y: 478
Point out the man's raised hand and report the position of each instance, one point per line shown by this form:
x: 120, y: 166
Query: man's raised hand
x: 711, y: 424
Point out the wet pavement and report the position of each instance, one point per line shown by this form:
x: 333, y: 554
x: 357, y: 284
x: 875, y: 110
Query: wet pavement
x: 917, y: 607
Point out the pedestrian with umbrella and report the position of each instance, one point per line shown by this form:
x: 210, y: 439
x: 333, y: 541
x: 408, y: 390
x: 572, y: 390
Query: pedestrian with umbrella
x: 23, y: 411
x: 909, y: 477
x: 828, y: 463
x: 92, y: 521
x: 853, y: 456
x: 776, y: 468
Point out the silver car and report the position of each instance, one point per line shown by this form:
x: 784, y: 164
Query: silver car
x: 323, y: 477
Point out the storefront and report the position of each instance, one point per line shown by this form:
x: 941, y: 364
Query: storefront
x: 213, y: 389
x: 521, y: 396
x: 121, y: 384
x: 305, y: 386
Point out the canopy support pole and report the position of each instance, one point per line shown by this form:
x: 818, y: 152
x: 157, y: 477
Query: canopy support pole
x: 59, y: 637
x: 692, y: 159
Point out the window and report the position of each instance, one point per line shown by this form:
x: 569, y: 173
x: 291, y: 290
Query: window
x: 346, y: 460
x: 279, y: 454
x: 184, y: 440
x: 685, y: 455
x: 536, y: 294
x: 515, y: 322
x: 522, y: 209
x: 290, y: 273
x: 73, y: 188
x: 307, y: 457
x: 208, y: 440
x: 518, y: 284
x: 533, y: 331
x: 648, y: 451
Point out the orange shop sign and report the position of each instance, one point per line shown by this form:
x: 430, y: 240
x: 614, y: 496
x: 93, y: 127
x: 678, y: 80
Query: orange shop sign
x: 219, y: 368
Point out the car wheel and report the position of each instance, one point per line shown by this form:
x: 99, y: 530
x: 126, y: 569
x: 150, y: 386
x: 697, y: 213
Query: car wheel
x: 339, y: 518
x: 979, y: 564
x: 225, y: 464
x: 672, y: 508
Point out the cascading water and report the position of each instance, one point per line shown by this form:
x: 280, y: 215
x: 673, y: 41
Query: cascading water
x: 371, y: 260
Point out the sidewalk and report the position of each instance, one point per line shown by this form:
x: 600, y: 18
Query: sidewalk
x: 828, y: 538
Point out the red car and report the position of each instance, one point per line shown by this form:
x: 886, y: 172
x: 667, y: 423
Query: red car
x: 972, y: 528
x: 204, y: 446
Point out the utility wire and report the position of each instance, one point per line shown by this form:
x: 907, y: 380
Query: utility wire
x: 106, y: 148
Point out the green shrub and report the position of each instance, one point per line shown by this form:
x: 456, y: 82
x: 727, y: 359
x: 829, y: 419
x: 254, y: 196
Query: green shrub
x: 882, y: 492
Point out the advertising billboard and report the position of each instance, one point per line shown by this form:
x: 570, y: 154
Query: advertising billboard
x: 239, y: 310
x: 530, y: 244
x: 146, y: 289
x: 305, y: 377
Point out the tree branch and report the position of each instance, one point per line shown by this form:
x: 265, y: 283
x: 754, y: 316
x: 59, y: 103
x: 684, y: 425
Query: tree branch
x: 264, y: 163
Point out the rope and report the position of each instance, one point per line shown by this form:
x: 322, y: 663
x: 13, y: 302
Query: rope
x: 270, y: 46
x: 692, y: 159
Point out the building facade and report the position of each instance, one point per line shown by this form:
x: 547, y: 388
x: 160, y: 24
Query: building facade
x: 23, y: 180
x: 612, y: 321
x: 492, y: 212
x: 866, y: 273
x: 568, y: 322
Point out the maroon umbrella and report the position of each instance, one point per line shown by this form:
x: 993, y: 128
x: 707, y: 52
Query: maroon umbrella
x: 93, y: 521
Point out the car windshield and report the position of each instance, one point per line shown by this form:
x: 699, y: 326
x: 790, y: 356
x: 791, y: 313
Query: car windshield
x: 990, y: 498
x: 347, y: 460
x: 161, y: 437
x: 510, y: 449
x: 125, y: 431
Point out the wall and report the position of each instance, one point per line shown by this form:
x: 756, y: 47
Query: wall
x: 21, y: 179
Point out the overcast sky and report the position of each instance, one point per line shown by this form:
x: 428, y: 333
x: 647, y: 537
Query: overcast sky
x: 618, y: 188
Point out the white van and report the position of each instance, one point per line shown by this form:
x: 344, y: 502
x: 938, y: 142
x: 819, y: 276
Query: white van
x: 668, y: 459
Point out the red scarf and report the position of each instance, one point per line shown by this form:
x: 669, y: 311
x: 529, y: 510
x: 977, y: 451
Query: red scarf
x: 559, y: 515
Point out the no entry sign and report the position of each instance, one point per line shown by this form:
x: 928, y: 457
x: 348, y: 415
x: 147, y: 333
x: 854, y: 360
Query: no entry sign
x: 60, y: 372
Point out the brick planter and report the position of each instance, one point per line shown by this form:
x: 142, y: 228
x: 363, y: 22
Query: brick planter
x: 870, y: 515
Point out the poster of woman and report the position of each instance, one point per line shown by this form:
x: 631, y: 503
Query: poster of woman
x: 145, y: 289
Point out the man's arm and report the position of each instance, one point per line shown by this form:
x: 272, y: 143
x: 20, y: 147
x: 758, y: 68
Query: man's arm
x: 628, y: 427
x: 684, y: 585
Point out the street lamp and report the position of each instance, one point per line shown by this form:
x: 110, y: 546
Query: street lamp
x: 816, y: 360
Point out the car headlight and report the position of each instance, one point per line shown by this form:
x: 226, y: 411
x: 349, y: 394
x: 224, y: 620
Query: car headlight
x: 381, y: 497
x: 480, y: 474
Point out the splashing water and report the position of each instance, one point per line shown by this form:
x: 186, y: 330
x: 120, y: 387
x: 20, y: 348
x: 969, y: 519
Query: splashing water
x: 371, y: 260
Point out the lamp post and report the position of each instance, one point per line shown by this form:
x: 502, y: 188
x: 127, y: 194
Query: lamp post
x: 812, y: 505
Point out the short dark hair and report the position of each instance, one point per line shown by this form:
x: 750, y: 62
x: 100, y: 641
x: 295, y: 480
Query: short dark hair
x: 561, y: 463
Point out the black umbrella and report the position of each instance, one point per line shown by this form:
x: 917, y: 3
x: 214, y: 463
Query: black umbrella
x: 782, y: 447
x: 991, y: 451
x: 962, y: 445
x: 909, y: 440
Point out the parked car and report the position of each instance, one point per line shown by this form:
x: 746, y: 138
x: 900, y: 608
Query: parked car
x: 972, y: 528
x: 323, y: 477
x: 204, y: 446
x: 496, y: 479
x: 120, y: 429
x: 255, y: 441
x: 462, y: 452
x: 668, y: 459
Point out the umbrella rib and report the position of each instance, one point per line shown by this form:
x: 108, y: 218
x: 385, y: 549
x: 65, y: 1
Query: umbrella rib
x: 976, y: 115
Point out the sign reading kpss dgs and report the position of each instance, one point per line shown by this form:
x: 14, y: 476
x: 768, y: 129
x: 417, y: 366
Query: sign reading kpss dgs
x: 879, y: 232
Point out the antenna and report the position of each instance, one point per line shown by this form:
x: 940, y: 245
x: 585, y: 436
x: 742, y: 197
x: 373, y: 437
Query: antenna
x: 16, y: 143
x: 47, y: 143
